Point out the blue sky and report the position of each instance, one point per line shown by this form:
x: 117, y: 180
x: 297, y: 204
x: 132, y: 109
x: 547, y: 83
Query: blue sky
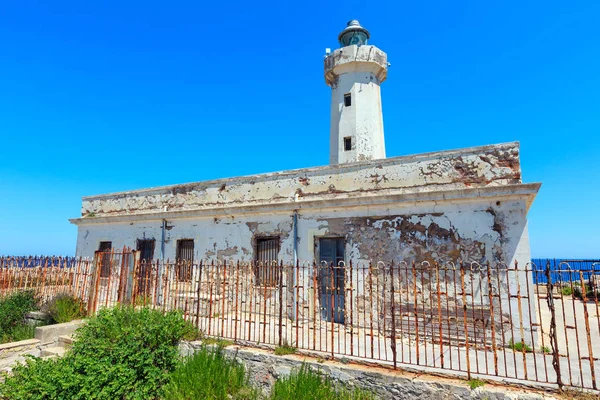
x: 112, y: 96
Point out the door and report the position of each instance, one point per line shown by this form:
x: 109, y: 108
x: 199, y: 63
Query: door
x: 105, y: 261
x: 331, y: 279
x: 146, y: 249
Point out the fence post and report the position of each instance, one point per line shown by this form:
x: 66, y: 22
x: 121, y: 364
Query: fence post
x: 198, y: 295
x: 280, y: 301
x: 552, y: 333
x: 393, y: 307
x: 464, y: 307
x: 94, y: 283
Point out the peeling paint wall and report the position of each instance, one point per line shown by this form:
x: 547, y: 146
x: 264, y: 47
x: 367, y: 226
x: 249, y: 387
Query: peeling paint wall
x: 488, y: 166
x: 467, y: 205
x: 487, y: 231
x: 473, y: 232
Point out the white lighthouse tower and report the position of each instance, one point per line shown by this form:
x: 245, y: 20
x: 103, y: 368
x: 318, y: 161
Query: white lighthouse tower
x: 355, y: 72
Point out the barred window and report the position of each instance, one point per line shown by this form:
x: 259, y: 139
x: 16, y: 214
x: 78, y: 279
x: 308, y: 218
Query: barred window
x: 185, y: 259
x: 266, y: 271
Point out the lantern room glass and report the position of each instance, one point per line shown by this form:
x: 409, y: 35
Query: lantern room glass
x: 353, y: 37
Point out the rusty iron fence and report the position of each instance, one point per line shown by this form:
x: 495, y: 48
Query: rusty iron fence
x: 465, y: 319
x: 47, y: 276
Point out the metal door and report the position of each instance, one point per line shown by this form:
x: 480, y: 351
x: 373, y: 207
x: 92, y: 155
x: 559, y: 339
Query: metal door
x: 146, y: 249
x: 332, y: 279
x: 105, y: 258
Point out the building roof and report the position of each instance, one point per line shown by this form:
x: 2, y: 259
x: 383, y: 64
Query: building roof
x: 475, y: 170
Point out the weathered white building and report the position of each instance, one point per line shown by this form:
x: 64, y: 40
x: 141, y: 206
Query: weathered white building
x: 468, y: 204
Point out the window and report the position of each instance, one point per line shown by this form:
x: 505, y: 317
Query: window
x: 347, y: 143
x: 185, y: 258
x: 267, y: 272
x: 105, y: 248
x: 347, y: 99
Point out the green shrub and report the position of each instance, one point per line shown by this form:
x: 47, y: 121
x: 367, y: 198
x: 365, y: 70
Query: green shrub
x: 18, y: 333
x: 590, y: 294
x: 14, y: 307
x: 65, y: 308
x: 475, y: 383
x: 208, y: 374
x: 546, y: 350
x: 284, y: 350
x: 121, y: 353
x: 307, y: 384
x: 567, y: 291
x: 520, y: 346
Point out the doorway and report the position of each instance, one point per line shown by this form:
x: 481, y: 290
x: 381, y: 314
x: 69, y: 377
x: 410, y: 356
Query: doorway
x: 146, y: 249
x: 332, y: 279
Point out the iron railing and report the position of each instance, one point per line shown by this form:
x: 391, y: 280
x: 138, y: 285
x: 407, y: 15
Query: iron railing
x: 465, y: 319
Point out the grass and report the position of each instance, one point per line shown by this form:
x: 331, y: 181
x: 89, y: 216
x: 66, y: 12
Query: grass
x: 143, y: 300
x: 575, y: 394
x: 520, y: 346
x: 308, y: 384
x: 218, y: 341
x: 13, y: 309
x: 65, y: 308
x: 567, y: 291
x: 285, y: 349
x: 590, y: 292
x: 208, y: 374
x: 546, y: 350
x: 18, y: 333
x: 475, y: 383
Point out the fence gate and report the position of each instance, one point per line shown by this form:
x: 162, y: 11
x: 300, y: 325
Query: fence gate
x: 112, y: 278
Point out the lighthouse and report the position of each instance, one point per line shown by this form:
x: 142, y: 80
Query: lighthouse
x: 355, y: 73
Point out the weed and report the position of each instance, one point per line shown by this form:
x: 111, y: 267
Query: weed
x: 18, y: 333
x: 305, y: 383
x: 90, y: 214
x: 143, y: 300
x: 575, y: 394
x: 208, y: 374
x: 13, y: 309
x: 284, y: 349
x: 217, y: 341
x: 567, y: 291
x: 475, y: 383
x: 520, y: 346
x: 65, y: 308
x: 590, y: 293
x: 546, y: 350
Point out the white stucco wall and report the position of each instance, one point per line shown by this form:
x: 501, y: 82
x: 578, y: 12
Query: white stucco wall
x: 484, y: 230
